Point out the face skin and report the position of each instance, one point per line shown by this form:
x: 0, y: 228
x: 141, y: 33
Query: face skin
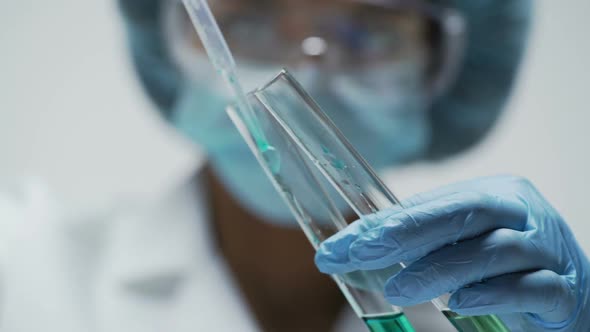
x: 273, y: 266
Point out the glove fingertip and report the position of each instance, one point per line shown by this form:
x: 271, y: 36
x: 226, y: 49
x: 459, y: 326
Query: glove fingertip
x: 330, y: 268
x: 330, y: 263
x: 398, y: 294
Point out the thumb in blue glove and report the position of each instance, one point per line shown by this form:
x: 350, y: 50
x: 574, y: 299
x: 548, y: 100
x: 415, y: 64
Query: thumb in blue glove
x: 495, y: 243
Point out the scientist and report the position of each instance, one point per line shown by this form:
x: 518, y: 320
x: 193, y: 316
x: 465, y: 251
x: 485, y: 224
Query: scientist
x: 382, y: 71
x: 405, y: 81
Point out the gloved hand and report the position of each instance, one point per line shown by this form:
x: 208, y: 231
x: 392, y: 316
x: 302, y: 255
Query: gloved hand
x: 494, y: 243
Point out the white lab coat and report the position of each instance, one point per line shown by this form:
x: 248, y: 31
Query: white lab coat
x: 150, y: 267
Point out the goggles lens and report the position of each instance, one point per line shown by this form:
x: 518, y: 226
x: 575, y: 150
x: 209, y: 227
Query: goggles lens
x: 351, y: 33
x: 347, y: 35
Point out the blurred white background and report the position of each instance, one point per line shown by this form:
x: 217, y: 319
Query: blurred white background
x: 72, y: 113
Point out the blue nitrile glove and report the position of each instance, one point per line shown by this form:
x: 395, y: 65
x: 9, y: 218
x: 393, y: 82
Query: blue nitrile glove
x: 497, y: 235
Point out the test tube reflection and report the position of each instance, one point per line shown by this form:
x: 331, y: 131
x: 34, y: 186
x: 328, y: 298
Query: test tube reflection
x: 299, y: 183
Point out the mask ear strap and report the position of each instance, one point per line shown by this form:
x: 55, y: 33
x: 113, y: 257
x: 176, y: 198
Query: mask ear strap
x: 151, y: 58
x: 452, y: 39
x: 176, y: 37
x: 452, y: 49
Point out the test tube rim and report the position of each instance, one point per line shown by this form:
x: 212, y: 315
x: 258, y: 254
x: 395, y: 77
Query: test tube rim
x: 326, y: 122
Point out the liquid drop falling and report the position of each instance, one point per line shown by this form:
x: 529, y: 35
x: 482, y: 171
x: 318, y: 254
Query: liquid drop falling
x: 338, y: 164
x: 334, y: 161
x: 271, y: 157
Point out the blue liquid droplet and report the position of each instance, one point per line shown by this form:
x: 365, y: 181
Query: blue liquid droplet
x: 338, y: 164
x: 271, y: 157
x: 335, y: 162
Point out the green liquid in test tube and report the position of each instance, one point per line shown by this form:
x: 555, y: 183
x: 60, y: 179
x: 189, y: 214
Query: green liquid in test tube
x: 388, y: 323
x: 488, y: 323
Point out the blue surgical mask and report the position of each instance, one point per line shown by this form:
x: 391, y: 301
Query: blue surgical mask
x: 381, y: 111
x: 386, y: 129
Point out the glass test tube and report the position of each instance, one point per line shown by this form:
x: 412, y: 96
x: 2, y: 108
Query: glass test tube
x: 300, y: 185
x: 324, y: 145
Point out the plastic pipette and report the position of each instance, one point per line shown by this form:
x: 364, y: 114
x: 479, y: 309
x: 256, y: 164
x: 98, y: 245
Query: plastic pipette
x: 222, y: 59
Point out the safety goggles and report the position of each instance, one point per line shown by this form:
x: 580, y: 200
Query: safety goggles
x: 339, y: 36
